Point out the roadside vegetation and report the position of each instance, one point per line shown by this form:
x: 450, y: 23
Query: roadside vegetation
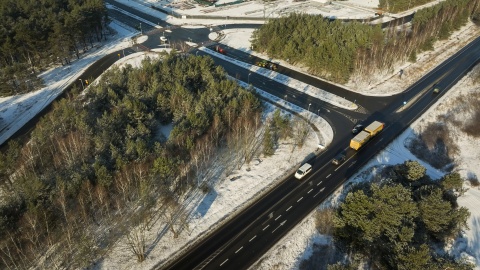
x: 35, y: 34
x: 436, y: 142
x: 97, y: 157
x: 402, y: 218
x: 98, y: 169
x: 395, y: 222
x: 335, y: 50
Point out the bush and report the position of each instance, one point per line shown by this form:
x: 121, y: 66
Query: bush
x: 473, y: 179
x: 324, y: 221
x: 471, y: 126
x: 435, y: 146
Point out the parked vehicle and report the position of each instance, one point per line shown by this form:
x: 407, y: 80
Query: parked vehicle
x: 436, y: 90
x: 303, y: 170
x: 366, y: 134
x: 339, y: 159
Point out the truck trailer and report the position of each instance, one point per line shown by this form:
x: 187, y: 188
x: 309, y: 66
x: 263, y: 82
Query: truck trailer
x: 366, y: 134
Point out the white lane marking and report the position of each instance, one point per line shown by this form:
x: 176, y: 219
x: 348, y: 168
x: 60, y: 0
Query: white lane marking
x: 289, y: 208
x: 277, y: 217
x: 316, y: 194
x: 319, y: 183
x: 300, y: 199
x: 281, y: 224
x: 252, y: 238
x: 329, y: 175
x: 238, y: 250
x: 224, y: 262
x: 322, y: 189
x: 266, y: 227
x: 310, y: 190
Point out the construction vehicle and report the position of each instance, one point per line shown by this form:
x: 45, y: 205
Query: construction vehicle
x: 267, y: 64
x: 365, y: 135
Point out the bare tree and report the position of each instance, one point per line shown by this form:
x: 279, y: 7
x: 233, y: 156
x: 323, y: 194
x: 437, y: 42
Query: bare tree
x: 174, y: 215
x: 136, y: 240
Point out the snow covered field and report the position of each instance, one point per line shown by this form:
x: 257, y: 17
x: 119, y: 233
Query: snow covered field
x: 214, y: 207
x: 256, y: 9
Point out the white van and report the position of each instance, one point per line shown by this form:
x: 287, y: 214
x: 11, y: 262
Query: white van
x: 303, y: 170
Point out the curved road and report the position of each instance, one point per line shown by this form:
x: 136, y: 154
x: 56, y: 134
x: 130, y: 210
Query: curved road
x: 241, y: 241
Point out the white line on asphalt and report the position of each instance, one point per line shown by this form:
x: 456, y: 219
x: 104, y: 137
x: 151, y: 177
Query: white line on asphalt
x: 316, y: 194
x: 224, y: 262
x: 300, y: 199
x: 238, y: 250
x: 322, y: 189
x: 319, y: 183
x: 252, y: 238
x: 328, y: 175
x: 310, y: 190
x: 277, y: 217
x: 266, y: 228
x: 289, y: 208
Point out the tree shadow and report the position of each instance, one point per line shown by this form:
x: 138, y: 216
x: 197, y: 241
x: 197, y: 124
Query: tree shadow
x: 206, y: 203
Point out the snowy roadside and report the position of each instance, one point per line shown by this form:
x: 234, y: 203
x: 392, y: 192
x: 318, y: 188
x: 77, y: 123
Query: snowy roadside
x: 16, y: 111
x: 291, y: 82
x: 228, y: 194
x: 299, y: 243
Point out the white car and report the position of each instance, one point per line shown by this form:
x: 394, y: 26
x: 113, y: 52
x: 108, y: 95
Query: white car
x: 163, y: 38
x: 303, y: 170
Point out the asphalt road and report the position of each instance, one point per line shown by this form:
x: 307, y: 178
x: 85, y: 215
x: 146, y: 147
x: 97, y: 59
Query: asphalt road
x: 244, y: 239
x: 251, y: 233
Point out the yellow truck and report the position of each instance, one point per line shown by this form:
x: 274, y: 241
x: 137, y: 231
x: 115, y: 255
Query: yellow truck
x: 366, y: 134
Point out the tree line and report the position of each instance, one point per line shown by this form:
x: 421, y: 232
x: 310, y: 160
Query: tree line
x: 35, y: 34
x: 96, y: 157
x: 336, y: 50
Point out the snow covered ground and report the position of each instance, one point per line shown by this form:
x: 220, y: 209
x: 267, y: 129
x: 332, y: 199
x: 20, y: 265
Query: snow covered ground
x: 208, y: 210
x: 298, y: 244
x: 360, y: 9
x: 17, y: 110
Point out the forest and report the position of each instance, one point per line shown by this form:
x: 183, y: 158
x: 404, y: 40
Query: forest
x: 100, y: 154
x: 37, y: 34
x: 336, y: 51
x: 400, y: 220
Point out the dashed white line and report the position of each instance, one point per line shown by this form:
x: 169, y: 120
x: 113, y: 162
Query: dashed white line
x: 328, y: 175
x: 277, y: 217
x: 238, y: 250
x: 266, y: 227
x: 252, y: 238
x: 316, y: 194
x: 310, y: 190
x: 322, y: 189
x: 223, y: 262
x: 300, y: 199
x: 289, y: 208
x: 319, y: 183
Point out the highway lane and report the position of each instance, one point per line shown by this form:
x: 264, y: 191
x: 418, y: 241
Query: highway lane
x: 157, y: 20
x: 342, y: 120
x: 248, y: 244
x: 301, y: 190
